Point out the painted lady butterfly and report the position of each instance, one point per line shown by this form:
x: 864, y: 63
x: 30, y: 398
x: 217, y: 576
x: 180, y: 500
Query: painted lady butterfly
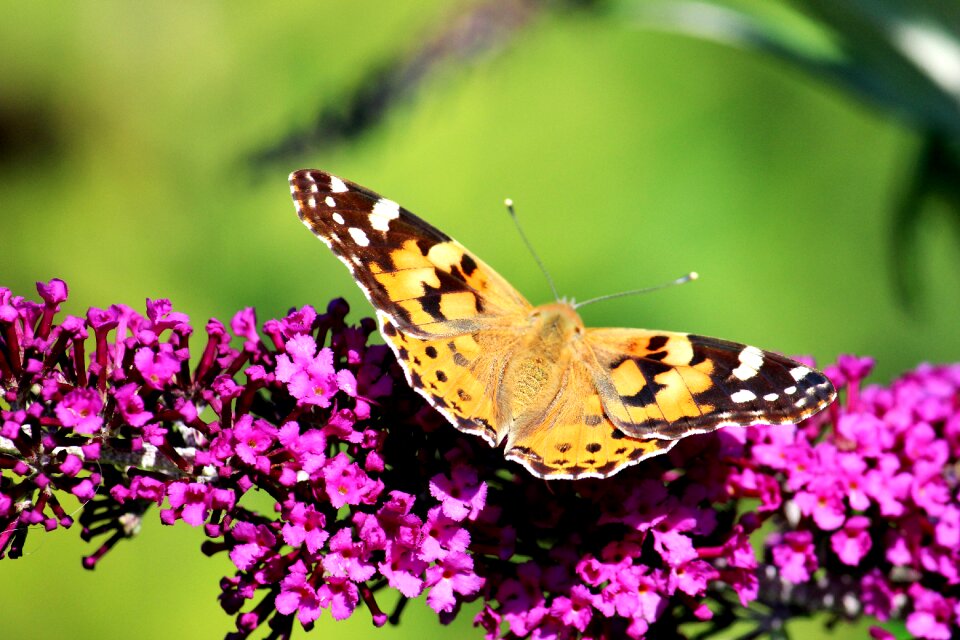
x: 565, y: 401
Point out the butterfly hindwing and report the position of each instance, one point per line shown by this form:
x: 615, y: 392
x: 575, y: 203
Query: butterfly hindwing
x: 428, y: 283
x: 455, y: 374
x: 669, y: 385
x: 574, y: 438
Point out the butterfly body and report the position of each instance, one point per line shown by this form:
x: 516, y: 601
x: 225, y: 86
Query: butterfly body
x: 532, y: 380
x: 546, y: 344
x: 564, y: 400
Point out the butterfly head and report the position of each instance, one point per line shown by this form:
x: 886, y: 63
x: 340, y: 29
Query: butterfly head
x: 557, y: 319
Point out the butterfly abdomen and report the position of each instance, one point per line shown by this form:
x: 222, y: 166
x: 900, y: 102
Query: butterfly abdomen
x: 533, y: 375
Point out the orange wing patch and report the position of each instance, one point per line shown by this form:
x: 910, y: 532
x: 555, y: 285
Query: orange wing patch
x: 648, y: 378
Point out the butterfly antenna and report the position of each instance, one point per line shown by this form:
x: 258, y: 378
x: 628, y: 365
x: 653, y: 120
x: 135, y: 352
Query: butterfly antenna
x: 685, y: 279
x: 513, y: 216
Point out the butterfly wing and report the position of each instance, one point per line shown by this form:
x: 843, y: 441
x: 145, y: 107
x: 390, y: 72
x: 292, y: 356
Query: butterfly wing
x: 669, y: 385
x: 574, y: 439
x: 427, y: 283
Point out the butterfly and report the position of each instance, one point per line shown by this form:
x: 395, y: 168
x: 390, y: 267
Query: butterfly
x: 563, y: 400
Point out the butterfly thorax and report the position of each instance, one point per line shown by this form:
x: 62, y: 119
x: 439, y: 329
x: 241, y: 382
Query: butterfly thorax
x: 534, y: 375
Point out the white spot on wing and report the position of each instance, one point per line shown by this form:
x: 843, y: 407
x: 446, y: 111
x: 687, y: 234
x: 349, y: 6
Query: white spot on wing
x: 330, y: 202
x: 744, y: 395
x: 308, y: 177
x: 799, y: 373
x: 743, y: 372
x: 770, y: 397
x: 337, y: 218
x: 359, y: 236
x: 751, y: 359
x: 751, y: 356
x: 337, y: 185
x: 790, y: 390
x: 383, y: 212
x: 312, y: 202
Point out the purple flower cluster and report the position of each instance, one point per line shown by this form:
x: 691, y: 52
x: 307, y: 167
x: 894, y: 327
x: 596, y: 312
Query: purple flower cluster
x: 371, y: 489
x: 874, y: 501
x: 307, y: 424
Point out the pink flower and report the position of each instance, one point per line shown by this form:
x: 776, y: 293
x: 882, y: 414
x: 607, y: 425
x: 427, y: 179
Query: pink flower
x: 53, y: 292
x: 887, y: 486
x: 451, y: 575
x: 188, y: 501
x: 340, y: 596
x: 693, y: 577
x: 441, y: 536
x: 933, y: 617
x: 347, y: 559
x: 255, y: 542
x: 131, y: 405
x: 297, y: 595
x: 162, y: 316
x: 575, y: 611
x: 80, y: 410
x: 403, y: 570
x: 852, y: 542
x: 462, y: 495
x: 795, y: 556
x: 244, y: 325
x: 309, y: 375
x: 252, y: 439
x: 823, y: 502
x: 157, y: 367
x: 947, y: 530
x: 305, y: 526
x: 346, y: 483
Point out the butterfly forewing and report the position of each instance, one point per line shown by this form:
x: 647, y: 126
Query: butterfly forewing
x: 425, y: 281
x: 670, y: 385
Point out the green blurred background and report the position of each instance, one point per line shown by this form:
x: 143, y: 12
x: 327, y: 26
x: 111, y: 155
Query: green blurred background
x: 142, y: 155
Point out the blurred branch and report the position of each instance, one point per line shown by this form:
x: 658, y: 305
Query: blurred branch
x: 483, y: 28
